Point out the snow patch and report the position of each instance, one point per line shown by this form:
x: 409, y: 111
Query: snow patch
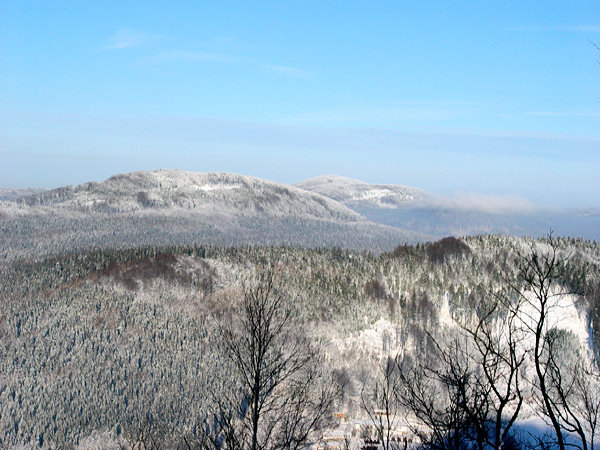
x: 380, y: 340
x: 217, y: 187
x: 445, y: 317
x: 562, y: 314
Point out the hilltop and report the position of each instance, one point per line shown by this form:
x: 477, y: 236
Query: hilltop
x: 177, y: 190
x: 358, y: 193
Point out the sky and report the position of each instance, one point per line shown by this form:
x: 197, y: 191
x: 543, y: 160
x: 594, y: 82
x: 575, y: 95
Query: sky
x: 457, y: 98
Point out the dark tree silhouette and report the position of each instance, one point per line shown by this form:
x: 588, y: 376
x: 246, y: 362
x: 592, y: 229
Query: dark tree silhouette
x: 379, y: 399
x: 468, y: 394
x: 565, y: 387
x: 283, y: 396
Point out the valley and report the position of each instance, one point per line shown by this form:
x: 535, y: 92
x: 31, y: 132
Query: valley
x: 104, y: 346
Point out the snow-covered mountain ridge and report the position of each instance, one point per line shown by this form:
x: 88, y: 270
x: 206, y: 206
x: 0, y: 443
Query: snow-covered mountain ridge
x: 8, y: 194
x: 459, y: 214
x: 190, y: 191
x: 358, y: 193
x: 174, y: 207
x: 225, y: 208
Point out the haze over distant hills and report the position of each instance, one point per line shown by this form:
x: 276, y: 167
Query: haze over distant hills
x: 360, y: 194
x: 417, y: 210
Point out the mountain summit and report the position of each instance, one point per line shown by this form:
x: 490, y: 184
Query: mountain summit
x: 179, y: 191
x: 357, y: 193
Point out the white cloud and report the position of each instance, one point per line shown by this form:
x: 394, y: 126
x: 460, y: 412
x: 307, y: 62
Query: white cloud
x: 191, y: 56
x: 185, y: 56
x: 288, y: 70
x: 128, y: 38
x: 389, y: 116
x: 491, y: 204
x: 564, y: 113
x: 558, y: 28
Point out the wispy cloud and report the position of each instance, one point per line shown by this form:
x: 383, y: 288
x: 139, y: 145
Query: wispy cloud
x: 386, y: 116
x: 557, y: 28
x: 564, y: 113
x: 490, y: 204
x: 288, y: 70
x: 199, y: 57
x: 211, y: 51
x: 127, y: 38
x: 186, y: 56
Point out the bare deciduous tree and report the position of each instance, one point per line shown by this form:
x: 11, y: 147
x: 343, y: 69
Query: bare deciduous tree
x: 436, y: 393
x: 565, y: 385
x: 587, y: 391
x: 380, y: 401
x: 469, y: 395
x: 539, y: 272
x: 283, y: 397
x: 497, y: 341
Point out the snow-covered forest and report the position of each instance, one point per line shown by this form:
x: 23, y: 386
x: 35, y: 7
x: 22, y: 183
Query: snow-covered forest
x: 125, y: 347
x: 299, y: 225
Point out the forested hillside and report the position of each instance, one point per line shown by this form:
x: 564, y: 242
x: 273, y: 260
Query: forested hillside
x: 115, y: 345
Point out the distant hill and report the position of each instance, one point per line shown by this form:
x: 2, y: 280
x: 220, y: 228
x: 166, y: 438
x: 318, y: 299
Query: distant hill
x: 357, y: 193
x: 8, y: 194
x: 416, y: 210
x: 173, y: 207
x: 176, y: 191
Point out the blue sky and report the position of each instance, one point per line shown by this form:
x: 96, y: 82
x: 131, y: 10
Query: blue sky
x: 495, y: 98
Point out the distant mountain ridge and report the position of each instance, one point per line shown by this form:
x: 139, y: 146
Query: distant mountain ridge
x: 358, y: 193
x: 175, y: 208
x: 416, y: 210
x: 190, y: 191
x: 11, y: 194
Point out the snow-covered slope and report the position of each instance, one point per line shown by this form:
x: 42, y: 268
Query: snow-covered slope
x: 358, y: 193
x: 189, y: 191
